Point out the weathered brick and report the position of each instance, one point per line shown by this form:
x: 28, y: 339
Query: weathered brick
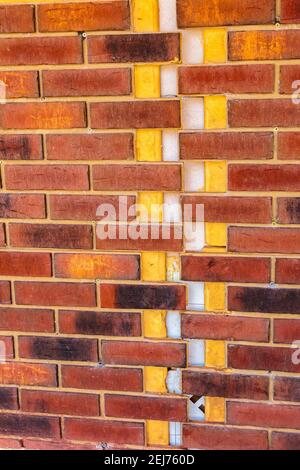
x: 27, y: 425
x: 290, y: 11
x: 21, y: 147
x: 17, y: 19
x: 7, y: 343
x: 288, y: 210
x: 8, y: 398
x: 288, y: 271
x: 264, y: 240
x: 5, y: 297
x: 23, y: 319
x: 25, y: 264
x: 18, y: 373
x: 289, y: 145
x: 22, y: 206
x: 265, y: 300
x: 78, y: 404
x: 267, y: 415
x: 287, y: 388
x: 20, y: 84
x: 286, y: 331
x: 263, y: 113
x: 285, y: 441
x: 250, y: 177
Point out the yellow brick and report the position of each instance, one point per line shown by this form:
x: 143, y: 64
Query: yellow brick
x: 215, y: 409
x: 215, y: 112
x: 214, y: 296
x: 173, y: 268
x: 150, y: 206
x: 155, y: 379
x: 215, y: 234
x: 215, y: 46
x: 148, y: 145
x: 153, y: 266
x: 214, y: 249
x: 216, y: 177
x: 145, y: 15
x: 155, y: 324
x: 215, y: 354
x: 147, y: 81
x: 157, y: 433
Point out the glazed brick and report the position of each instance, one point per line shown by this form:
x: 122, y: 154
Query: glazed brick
x: 288, y: 271
x: 226, y: 145
x: 290, y: 11
x: 77, y: 404
x: 23, y: 319
x: 223, y: 438
x: 225, y: 269
x: 266, y: 415
x: 226, y: 79
x: 263, y: 113
x: 51, y: 236
x: 104, y: 378
x: 136, y: 353
x: 286, y: 331
x: 289, y: 145
x: 232, y: 209
x: 135, y: 114
x: 287, y: 388
x: 264, y: 300
x: 18, y: 373
x: 59, y: 349
x: 22, y: 206
x: 8, y: 398
x: 288, y: 75
x: 225, y: 327
x: 89, y: 146
x: 42, y: 115
x: 84, y: 207
x: 55, y: 293
x: 17, y: 19
x: 264, y: 240
x: 288, y: 210
x: 104, y: 431
x: 20, y: 147
x: 143, y: 296
x: 41, y: 51
x: 161, y: 47
x: 29, y: 425
x: 100, y: 323
x: 103, y: 15
x: 285, y: 441
x: 264, y: 45
x: 25, y: 264
x: 265, y: 358
x: 5, y: 297
x: 20, y: 84
x: 102, y: 82
x: 225, y: 385
x: 138, y: 407
x: 137, y: 177
x: 250, y: 177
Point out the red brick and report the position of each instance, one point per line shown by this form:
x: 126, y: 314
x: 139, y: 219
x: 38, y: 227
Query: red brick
x: 289, y: 145
x: 225, y: 327
x: 287, y: 388
x: 264, y: 45
x: 42, y: 115
x: 226, y: 79
x: 143, y: 296
x: 250, y: 177
x: 288, y: 75
x: 225, y: 269
x: 22, y: 206
x: 36, y: 444
x: 41, y: 51
x: 23, y: 319
x: 137, y: 177
x: 8, y: 398
x: 96, y: 430
x: 264, y: 358
x: 18, y: 373
x: 223, y: 438
x: 264, y: 300
x: 59, y: 349
x: 104, y: 378
x: 266, y: 415
x: 2, y: 235
x: 139, y: 407
x: 55, y: 293
x: 264, y: 240
x: 51, y: 236
x: 100, y: 323
x: 226, y: 145
x: 10, y: 444
x: 285, y: 441
x: 228, y: 209
x: 161, y: 47
x: 288, y: 271
x: 25, y: 264
x: 5, y: 297
x: 89, y: 16
x: 89, y: 146
x: 135, y: 114
x: 290, y: 11
x: 21, y: 147
x: 263, y: 113
x: 78, y: 404
x: 17, y: 19
x: 102, y: 82
x: 144, y: 353
x: 225, y: 385
x: 286, y: 331
x: 7, y: 347
x: 288, y: 210
x: 20, y: 84
x: 29, y: 425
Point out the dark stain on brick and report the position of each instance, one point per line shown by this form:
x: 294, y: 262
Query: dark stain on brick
x: 15, y: 148
x: 62, y: 349
x: 108, y: 324
x: 148, y: 297
x: 8, y: 398
x: 24, y: 425
x: 264, y: 300
x: 293, y: 210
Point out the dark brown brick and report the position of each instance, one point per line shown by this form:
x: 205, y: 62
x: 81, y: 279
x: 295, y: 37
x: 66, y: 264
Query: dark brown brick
x: 27, y: 425
x: 264, y: 300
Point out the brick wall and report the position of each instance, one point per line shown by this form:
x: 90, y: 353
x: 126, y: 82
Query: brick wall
x: 157, y: 342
